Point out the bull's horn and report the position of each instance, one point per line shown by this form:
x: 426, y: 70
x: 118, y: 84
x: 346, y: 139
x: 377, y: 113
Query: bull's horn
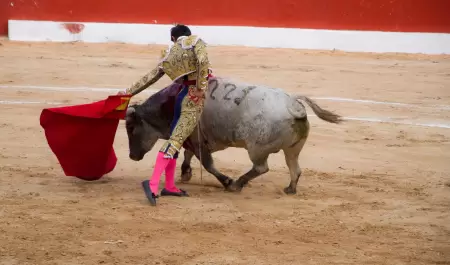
x: 130, y: 110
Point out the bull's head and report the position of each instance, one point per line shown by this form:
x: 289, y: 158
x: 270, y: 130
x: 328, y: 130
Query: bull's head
x: 142, y: 136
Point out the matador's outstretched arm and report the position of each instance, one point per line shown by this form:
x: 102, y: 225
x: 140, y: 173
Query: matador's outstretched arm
x: 146, y: 81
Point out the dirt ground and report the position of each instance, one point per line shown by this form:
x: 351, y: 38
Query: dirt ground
x: 370, y: 193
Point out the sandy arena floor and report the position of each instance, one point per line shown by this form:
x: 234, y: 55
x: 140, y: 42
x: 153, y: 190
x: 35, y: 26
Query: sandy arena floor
x: 371, y: 192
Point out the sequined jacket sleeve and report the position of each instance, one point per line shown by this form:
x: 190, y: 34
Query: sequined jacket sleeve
x: 203, y: 64
x: 146, y: 81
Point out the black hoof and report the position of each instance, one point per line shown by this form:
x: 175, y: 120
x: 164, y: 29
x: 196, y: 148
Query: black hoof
x: 186, y: 177
x: 289, y: 191
x: 148, y: 192
x: 186, y: 173
x: 228, y: 183
x: 182, y: 193
x: 235, y: 186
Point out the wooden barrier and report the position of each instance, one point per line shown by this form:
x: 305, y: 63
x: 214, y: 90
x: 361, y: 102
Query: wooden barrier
x: 373, y: 15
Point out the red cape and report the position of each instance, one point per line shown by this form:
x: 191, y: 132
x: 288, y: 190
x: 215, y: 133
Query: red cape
x: 82, y: 136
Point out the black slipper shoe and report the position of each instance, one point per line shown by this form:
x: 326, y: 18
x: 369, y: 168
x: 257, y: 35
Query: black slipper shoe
x: 182, y: 193
x: 148, y: 192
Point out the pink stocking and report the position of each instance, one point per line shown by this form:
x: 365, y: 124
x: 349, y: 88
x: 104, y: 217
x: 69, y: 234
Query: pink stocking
x: 160, y: 166
x: 170, y: 176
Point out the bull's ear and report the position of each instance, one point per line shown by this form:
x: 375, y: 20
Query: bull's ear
x: 130, y: 114
x: 130, y: 110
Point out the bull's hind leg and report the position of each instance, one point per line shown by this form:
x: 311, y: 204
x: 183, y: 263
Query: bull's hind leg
x: 260, y: 166
x: 291, y: 155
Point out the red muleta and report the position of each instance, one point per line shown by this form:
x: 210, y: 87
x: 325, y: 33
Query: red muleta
x: 82, y: 136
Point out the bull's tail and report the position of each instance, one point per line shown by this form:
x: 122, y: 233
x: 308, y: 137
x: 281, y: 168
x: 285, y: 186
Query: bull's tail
x: 323, y: 114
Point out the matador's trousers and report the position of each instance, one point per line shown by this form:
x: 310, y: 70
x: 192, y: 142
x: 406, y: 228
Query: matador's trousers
x: 188, y: 109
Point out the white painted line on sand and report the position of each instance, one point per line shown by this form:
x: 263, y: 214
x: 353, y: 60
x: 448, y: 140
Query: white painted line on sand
x: 16, y: 102
x: 152, y: 91
x: 65, y: 89
x: 364, y: 101
x: 367, y: 119
x: 387, y: 120
x: 440, y: 107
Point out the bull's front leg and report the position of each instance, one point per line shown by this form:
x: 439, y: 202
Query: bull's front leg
x: 186, y: 169
x: 208, y: 164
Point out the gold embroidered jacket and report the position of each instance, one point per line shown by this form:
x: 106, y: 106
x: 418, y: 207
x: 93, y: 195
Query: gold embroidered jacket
x: 187, y: 56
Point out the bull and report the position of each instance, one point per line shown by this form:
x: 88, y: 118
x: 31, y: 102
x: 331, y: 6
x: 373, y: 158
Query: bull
x: 263, y: 120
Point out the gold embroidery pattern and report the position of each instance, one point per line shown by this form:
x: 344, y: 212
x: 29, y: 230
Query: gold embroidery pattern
x: 189, y: 42
x: 190, y: 112
x: 203, y: 65
x: 169, y: 150
x: 164, y: 53
x: 179, y: 62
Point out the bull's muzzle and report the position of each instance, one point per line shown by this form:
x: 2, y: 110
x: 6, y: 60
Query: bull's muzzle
x: 136, y: 157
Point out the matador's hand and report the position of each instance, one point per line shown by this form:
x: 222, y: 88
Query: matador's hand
x: 122, y: 93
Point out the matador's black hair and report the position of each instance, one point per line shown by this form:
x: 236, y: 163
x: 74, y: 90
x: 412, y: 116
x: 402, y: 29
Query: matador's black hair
x: 180, y: 30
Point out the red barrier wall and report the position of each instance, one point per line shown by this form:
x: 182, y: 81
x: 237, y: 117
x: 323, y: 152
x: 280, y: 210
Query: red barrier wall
x: 379, y: 15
